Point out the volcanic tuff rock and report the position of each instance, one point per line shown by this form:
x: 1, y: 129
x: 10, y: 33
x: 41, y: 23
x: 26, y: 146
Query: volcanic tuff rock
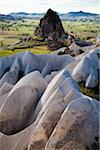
x: 43, y: 107
x: 50, y: 23
x: 51, y: 28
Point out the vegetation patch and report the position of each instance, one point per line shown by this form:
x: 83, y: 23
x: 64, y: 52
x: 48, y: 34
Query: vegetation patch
x: 36, y: 50
x: 92, y: 92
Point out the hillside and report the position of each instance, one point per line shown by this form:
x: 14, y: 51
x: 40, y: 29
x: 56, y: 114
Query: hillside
x: 80, y: 16
x: 72, y: 16
x: 6, y: 17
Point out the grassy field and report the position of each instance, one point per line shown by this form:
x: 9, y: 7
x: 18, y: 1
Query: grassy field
x: 12, y: 31
x: 92, y: 92
x: 36, y: 50
x: 83, y: 30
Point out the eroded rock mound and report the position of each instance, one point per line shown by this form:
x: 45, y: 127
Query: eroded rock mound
x: 51, y: 28
x: 87, y: 69
x: 49, y: 23
x: 41, y: 106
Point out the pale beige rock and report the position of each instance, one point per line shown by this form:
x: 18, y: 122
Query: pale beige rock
x: 49, y: 77
x: 3, y: 98
x: 21, y: 102
x: 49, y: 119
x: 82, y: 70
x: 98, y: 40
x: 6, y: 87
x: 74, y: 48
x: 11, y: 76
x: 77, y: 128
x: 87, y: 68
x: 16, y: 109
x: 70, y: 67
x: 92, y: 80
x: 60, y: 119
x: 18, y: 141
x: 33, y: 79
x: 53, y: 85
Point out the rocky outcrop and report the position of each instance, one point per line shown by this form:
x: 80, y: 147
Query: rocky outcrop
x: 30, y: 62
x: 44, y: 108
x: 51, y: 28
x: 16, y: 110
x: 49, y: 24
x: 98, y: 40
x: 88, y: 69
x: 73, y: 131
x: 72, y: 46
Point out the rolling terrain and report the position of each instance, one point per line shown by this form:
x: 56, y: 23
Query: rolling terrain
x: 12, y: 31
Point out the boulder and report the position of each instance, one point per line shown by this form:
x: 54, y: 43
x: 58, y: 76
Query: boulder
x: 92, y: 80
x: 18, y: 141
x: 51, y: 113
x: 82, y: 70
x: 59, y: 79
x: 98, y: 40
x: 53, y: 85
x: 17, y: 110
x: 87, y: 68
x: 75, y: 49
x: 11, y: 76
x: 78, y: 127
x: 3, y: 98
x: 49, y: 77
x: 45, y: 108
x: 83, y: 43
x: 28, y: 62
x: 6, y: 87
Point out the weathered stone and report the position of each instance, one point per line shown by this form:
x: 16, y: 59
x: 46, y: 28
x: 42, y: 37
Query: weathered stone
x: 6, y: 87
x: 52, y: 111
x: 53, y: 85
x: 49, y: 23
x: 87, y: 68
x: 62, y: 118
x: 77, y: 127
x: 11, y: 76
x: 51, y: 28
x: 16, y: 110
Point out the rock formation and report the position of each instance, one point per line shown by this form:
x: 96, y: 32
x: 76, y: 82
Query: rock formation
x: 41, y: 106
x: 49, y: 24
x: 88, y: 69
x: 51, y: 28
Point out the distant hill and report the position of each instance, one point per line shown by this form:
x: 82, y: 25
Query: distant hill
x: 81, y: 16
x: 27, y: 15
x: 7, y: 17
x: 71, y: 16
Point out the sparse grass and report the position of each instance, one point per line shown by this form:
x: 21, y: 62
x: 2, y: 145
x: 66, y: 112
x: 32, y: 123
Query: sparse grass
x: 9, y: 41
x: 92, y: 92
x: 36, y: 50
x: 14, y: 30
x: 83, y: 30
